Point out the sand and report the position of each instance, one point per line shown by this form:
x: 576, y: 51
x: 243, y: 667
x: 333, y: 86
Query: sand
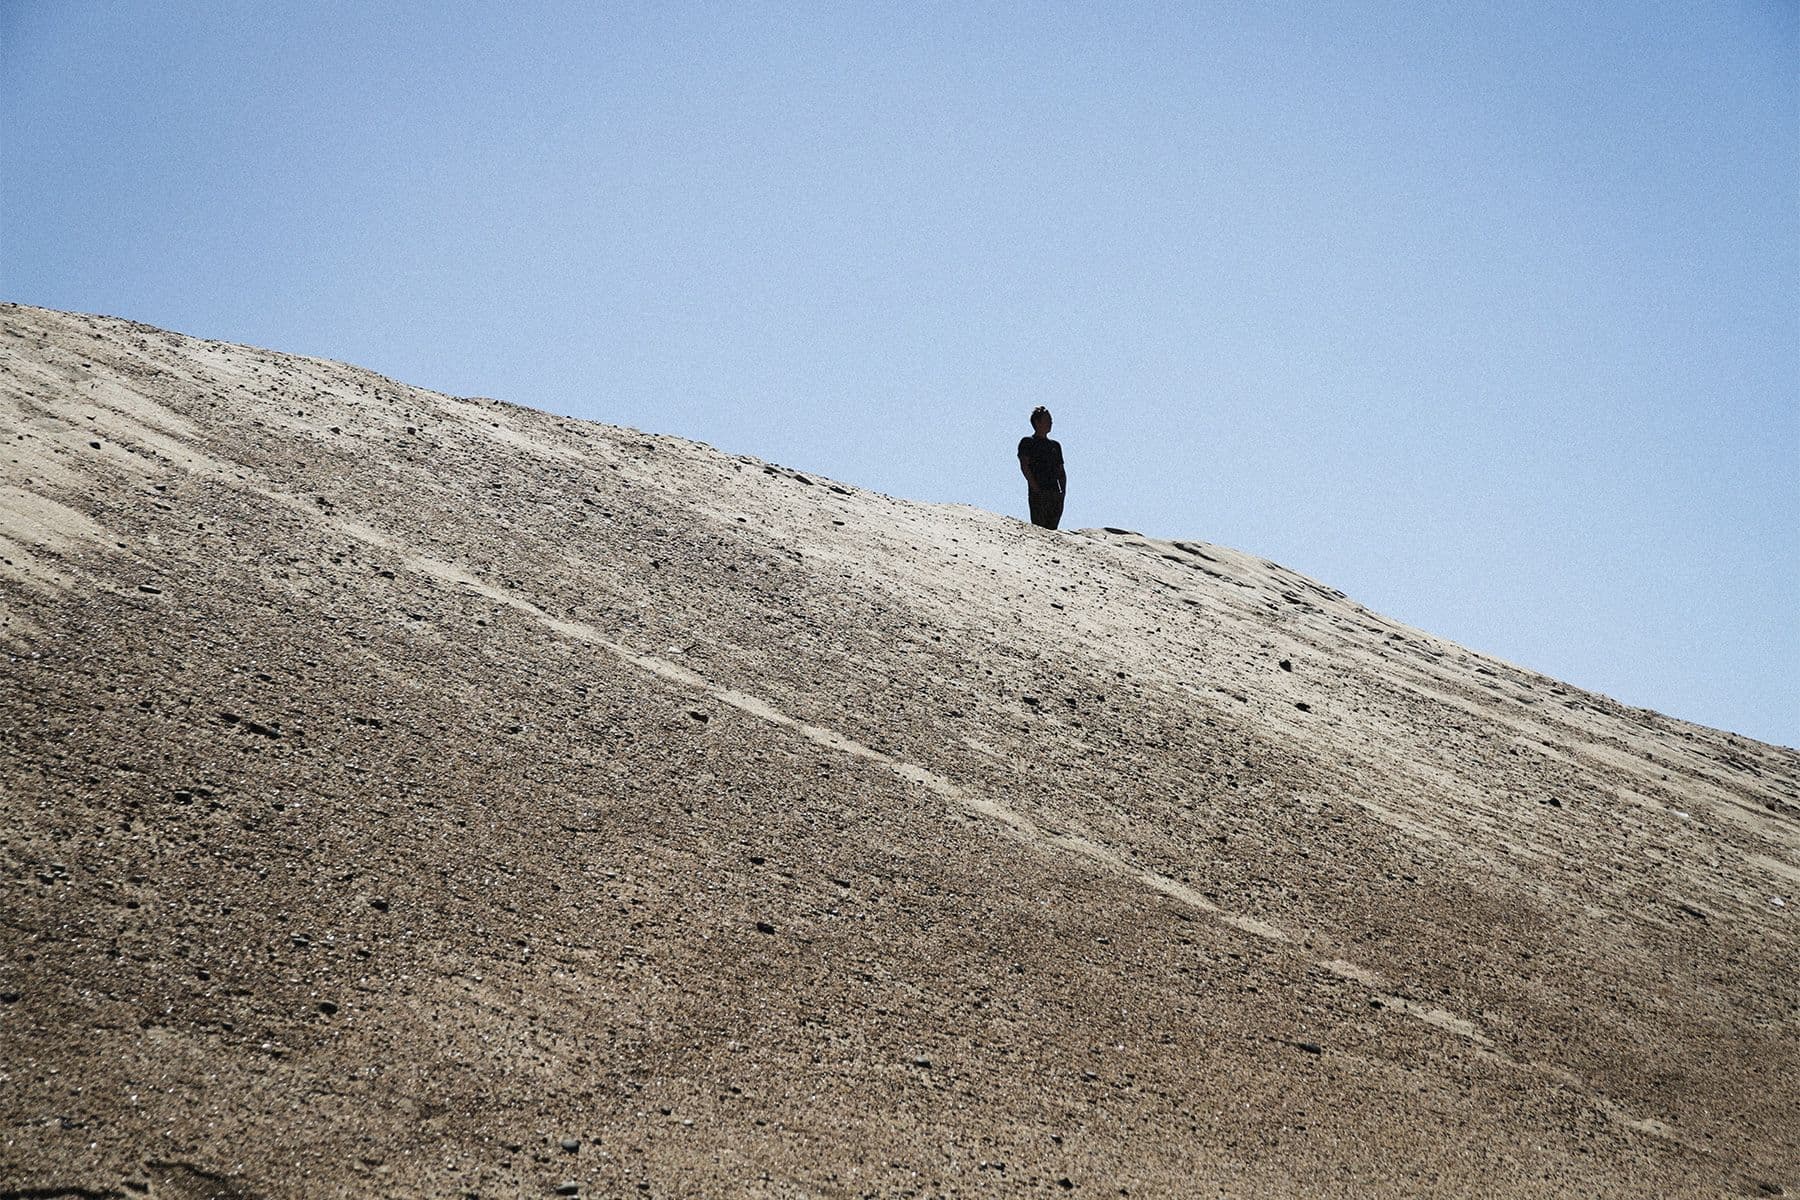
x: 398, y: 789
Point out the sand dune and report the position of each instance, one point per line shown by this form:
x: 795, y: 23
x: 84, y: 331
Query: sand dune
x: 414, y: 795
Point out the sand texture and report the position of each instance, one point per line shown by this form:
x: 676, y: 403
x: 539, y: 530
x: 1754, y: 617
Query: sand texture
x: 412, y: 795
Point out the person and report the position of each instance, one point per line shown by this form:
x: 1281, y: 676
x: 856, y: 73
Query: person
x: 1041, y: 460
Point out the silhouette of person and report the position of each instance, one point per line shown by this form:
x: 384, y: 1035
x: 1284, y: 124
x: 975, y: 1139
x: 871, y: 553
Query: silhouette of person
x: 1041, y: 461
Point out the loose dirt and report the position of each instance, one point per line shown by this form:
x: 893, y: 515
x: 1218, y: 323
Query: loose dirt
x: 404, y: 794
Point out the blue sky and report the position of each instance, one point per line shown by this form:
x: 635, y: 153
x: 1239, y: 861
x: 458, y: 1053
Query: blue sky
x: 1487, y: 314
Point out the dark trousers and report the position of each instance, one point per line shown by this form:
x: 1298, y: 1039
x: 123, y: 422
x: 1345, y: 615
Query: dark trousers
x: 1046, y: 506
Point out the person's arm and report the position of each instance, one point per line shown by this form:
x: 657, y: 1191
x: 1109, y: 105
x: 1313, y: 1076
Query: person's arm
x: 1062, y: 477
x: 1025, y: 470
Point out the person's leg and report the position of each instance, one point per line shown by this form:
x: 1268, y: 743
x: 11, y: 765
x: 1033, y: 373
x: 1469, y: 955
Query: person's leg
x: 1053, y: 510
x: 1046, y: 507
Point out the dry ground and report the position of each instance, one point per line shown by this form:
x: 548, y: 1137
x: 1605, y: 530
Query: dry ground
x: 396, y: 789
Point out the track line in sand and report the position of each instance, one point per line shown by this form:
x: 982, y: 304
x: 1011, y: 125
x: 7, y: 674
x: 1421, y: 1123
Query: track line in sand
x: 1016, y: 823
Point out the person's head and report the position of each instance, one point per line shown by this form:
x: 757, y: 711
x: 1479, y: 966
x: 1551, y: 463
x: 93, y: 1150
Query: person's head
x: 1040, y: 419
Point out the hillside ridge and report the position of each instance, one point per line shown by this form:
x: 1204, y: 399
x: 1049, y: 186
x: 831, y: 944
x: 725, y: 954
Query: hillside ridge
x: 448, y: 780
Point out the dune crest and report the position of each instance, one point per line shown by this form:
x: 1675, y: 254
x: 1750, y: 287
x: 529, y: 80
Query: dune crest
x: 407, y: 794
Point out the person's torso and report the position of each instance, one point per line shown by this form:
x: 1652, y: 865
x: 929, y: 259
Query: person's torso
x: 1043, y: 457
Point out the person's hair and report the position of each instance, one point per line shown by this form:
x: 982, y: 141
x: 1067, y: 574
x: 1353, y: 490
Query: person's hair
x: 1040, y: 411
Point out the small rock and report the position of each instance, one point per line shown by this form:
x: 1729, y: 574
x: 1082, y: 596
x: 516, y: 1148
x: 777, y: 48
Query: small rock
x: 328, y: 1008
x: 378, y: 903
x: 1066, y: 1184
x: 1550, y: 802
x: 921, y: 1061
x: 1692, y: 910
x: 95, y: 445
x: 571, y: 1144
x: 1303, y: 706
x: 568, y: 1187
x: 700, y: 715
x: 149, y: 589
x: 10, y: 997
x: 764, y: 927
x: 1310, y: 1047
x: 1286, y: 665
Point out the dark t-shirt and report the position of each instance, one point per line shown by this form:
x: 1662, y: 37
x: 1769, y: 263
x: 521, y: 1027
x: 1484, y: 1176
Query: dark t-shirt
x: 1043, y: 458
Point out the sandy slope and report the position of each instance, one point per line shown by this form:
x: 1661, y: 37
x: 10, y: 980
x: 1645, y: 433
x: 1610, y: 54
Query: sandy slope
x: 393, y: 786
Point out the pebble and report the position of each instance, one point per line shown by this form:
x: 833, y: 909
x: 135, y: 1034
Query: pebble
x: 571, y: 1144
x: 1310, y: 1047
x: 568, y: 1187
x: 764, y: 927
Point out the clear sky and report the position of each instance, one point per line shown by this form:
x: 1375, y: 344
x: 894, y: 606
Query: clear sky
x: 1488, y: 314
